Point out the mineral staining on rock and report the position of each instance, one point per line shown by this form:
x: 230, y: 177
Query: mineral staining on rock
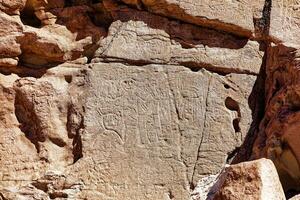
x: 141, y: 99
x: 249, y: 180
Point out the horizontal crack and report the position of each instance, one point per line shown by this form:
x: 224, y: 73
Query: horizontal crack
x: 194, y: 67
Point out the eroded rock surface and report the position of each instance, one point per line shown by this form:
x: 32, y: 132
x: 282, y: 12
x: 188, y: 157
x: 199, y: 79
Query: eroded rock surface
x: 232, y: 16
x: 154, y: 123
x: 278, y: 134
x: 249, y: 180
x: 285, y: 21
x: 155, y: 39
x: 141, y: 99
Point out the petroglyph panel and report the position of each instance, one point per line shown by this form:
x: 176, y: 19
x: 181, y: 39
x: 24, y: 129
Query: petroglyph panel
x: 152, y: 131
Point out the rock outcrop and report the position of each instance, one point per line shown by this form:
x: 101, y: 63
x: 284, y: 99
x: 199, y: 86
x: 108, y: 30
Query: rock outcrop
x: 141, y: 99
x: 249, y: 180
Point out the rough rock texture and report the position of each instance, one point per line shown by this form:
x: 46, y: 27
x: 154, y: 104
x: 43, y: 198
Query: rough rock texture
x: 160, y: 127
x: 218, y: 52
x: 249, y: 180
x: 278, y: 134
x: 232, y: 16
x: 141, y: 99
x: 10, y: 29
x: 285, y: 21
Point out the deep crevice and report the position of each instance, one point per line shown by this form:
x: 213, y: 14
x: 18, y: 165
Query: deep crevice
x: 194, y: 67
x: 257, y: 97
x: 231, y: 155
x: 262, y: 25
x: 75, y: 125
x: 27, y: 120
x: 256, y: 102
x: 28, y: 16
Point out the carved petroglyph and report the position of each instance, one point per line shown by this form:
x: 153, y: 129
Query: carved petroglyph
x: 168, y: 122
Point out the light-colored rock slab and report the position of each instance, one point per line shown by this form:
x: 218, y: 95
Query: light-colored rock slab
x: 232, y: 16
x: 155, y: 39
x: 153, y: 131
x: 285, y: 22
x: 249, y: 180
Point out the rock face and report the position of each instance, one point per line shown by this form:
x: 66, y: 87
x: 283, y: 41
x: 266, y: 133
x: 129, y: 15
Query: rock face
x: 216, y: 14
x: 140, y: 99
x: 160, y: 127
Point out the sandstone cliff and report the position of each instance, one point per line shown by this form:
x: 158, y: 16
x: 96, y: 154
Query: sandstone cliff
x: 149, y: 99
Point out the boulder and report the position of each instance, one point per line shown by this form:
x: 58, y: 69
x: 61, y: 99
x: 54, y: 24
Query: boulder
x: 257, y: 180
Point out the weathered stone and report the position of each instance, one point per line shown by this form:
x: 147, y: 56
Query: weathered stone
x: 10, y: 28
x: 167, y: 101
x: 155, y: 39
x: 50, y: 186
x: 27, y: 192
x: 12, y: 7
x: 158, y: 129
x: 232, y: 16
x: 285, y: 22
x: 18, y: 155
x: 278, y: 134
x: 51, y: 45
x: 40, y: 125
x: 77, y: 20
x: 204, y: 185
x: 249, y: 180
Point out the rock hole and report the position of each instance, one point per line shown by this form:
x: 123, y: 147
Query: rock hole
x: 77, y: 148
x: 58, y: 195
x: 68, y: 78
x: 192, y: 186
x: 236, y: 126
x: 291, y: 193
x: 195, y: 69
x: 170, y: 194
x: 40, y: 186
x: 28, y: 16
x: 68, y: 3
x: 226, y: 86
x: 101, y: 17
x: 233, y: 105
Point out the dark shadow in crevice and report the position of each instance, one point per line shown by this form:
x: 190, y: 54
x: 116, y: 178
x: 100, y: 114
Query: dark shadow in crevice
x: 257, y: 98
x: 28, y: 120
x: 75, y: 125
x: 22, y: 71
x: 256, y: 102
x: 231, y: 155
x: 29, y: 18
x: 233, y: 105
x: 262, y: 25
